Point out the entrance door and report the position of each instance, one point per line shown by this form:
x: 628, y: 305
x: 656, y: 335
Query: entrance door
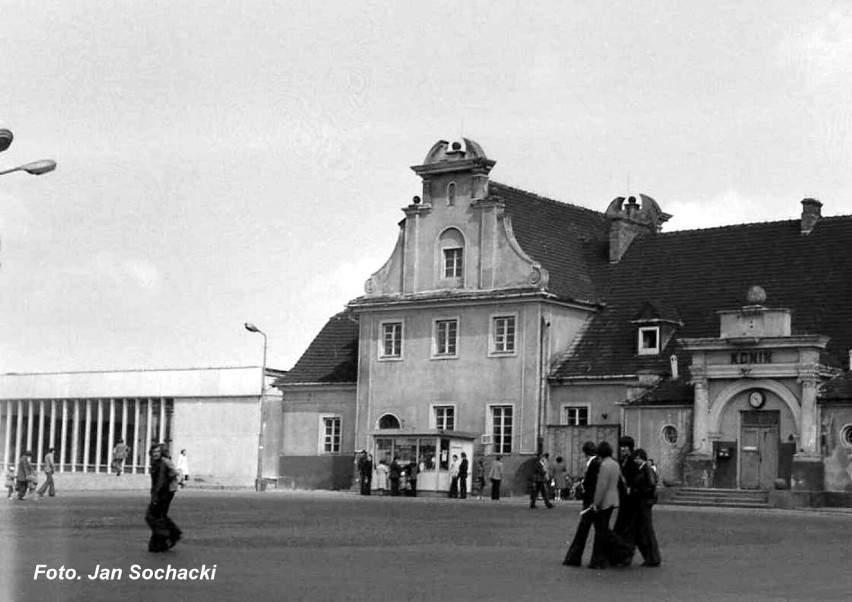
x: 759, y: 456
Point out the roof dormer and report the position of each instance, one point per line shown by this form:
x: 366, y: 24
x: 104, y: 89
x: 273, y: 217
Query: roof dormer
x: 655, y: 324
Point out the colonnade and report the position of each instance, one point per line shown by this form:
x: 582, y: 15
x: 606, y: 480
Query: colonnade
x: 83, y: 432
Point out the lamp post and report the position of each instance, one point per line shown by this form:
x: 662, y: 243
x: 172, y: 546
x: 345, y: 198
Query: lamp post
x: 35, y: 168
x: 259, y: 478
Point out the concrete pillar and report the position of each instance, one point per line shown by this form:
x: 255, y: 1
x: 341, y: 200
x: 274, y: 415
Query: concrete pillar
x: 63, y: 437
x: 124, y: 420
x: 162, y: 438
x: 40, y: 452
x: 148, y: 427
x: 100, y: 436
x: 75, y: 437
x: 7, y: 444
x: 135, y: 451
x: 87, y: 441
x: 30, y: 412
x: 111, y: 434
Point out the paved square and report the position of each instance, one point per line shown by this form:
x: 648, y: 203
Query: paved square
x: 335, y: 546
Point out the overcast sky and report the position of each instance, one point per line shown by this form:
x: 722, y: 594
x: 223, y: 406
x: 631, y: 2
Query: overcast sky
x: 223, y: 162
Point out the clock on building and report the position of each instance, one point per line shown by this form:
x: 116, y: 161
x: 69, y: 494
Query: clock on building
x: 756, y: 399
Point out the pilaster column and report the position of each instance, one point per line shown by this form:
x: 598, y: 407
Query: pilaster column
x: 808, y: 428
x: 701, y: 417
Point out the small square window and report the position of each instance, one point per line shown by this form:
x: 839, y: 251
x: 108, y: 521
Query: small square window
x: 649, y: 340
x: 575, y: 415
x: 445, y: 418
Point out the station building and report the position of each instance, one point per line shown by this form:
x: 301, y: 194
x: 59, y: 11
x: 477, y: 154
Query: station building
x: 507, y: 323
x: 213, y: 413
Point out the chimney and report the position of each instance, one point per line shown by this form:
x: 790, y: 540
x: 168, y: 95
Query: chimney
x: 810, y: 214
x: 630, y: 220
x: 673, y: 362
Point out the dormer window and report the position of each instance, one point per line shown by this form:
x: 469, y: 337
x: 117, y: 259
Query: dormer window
x: 451, y: 194
x: 649, y: 340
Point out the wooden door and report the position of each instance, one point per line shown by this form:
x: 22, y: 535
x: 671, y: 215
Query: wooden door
x: 759, y: 457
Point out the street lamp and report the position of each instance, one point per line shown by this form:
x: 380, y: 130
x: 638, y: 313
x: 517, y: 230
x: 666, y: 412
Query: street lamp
x: 259, y: 478
x: 35, y: 168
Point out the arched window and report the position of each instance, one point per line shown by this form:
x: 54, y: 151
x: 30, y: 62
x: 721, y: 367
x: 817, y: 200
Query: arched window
x: 388, y: 421
x: 451, y: 245
x: 669, y: 434
x: 451, y: 194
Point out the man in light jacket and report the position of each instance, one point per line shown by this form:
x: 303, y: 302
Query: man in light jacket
x: 605, y: 501
x: 48, y: 475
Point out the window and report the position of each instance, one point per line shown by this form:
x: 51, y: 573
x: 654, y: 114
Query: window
x: 503, y: 334
x: 445, y: 418
x: 451, y: 194
x: 388, y: 421
x: 449, y: 259
x: 391, y: 347
x: 575, y: 415
x: 501, y: 429
x: 453, y: 263
x: 846, y: 435
x: 669, y: 434
x: 331, y: 434
x: 446, y: 338
x: 649, y: 340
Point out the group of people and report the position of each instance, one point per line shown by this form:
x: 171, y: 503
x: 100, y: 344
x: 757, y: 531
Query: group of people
x: 398, y: 478
x: 629, y: 485
x: 550, y: 481
x: 22, y: 480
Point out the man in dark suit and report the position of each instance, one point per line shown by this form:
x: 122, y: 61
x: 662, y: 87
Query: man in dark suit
x: 623, y: 544
x: 463, y: 468
x: 574, y: 557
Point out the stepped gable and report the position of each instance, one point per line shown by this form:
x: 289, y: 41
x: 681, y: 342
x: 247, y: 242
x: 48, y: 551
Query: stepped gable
x: 570, y: 242
x: 332, y: 357
x: 698, y: 272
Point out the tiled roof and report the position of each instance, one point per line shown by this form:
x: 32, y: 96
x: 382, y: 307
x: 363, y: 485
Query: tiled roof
x: 570, y: 242
x: 332, y: 357
x: 666, y: 392
x: 838, y: 389
x: 699, y: 272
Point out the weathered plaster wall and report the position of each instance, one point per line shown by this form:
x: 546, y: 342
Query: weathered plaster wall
x: 646, y: 424
x: 837, y: 454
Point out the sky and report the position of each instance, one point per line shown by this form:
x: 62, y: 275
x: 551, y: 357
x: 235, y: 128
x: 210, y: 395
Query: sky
x: 248, y: 161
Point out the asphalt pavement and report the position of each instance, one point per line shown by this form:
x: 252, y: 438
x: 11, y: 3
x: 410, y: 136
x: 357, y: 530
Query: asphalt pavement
x: 242, y: 545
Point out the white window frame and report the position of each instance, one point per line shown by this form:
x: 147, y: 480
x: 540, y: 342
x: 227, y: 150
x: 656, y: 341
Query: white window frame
x: 456, y: 268
x: 444, y: 356
x: 323, y: 434
x: 433, y: 415
x: 642, y: 349
x: 391, y: 358
x: 489, y: 428
x: 563, y: 416
x: 492, y: 335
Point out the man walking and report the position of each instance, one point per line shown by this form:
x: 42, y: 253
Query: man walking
x: 119, y: 455
x: 539, y: 483
x: 164, y: 483
x: 574, y: 557
x: 48, y: 475
x: 24, y: 474
x: 605, y: 501
x: 463, y: 467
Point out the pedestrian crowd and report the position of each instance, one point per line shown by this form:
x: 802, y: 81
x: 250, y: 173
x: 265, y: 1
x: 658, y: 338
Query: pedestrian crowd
x: 628, y: 485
